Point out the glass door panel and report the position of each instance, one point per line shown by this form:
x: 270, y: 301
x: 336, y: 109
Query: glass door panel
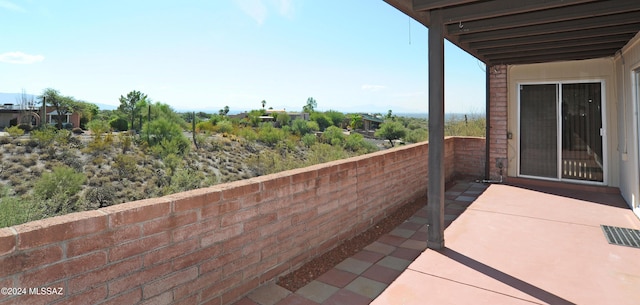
x: 539, y: 130
x: 582, y: 132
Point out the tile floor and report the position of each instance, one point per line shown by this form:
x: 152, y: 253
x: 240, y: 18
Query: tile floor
x: 364, y: 276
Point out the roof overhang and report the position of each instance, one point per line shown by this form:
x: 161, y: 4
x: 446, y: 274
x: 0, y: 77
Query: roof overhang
x: 530, y: 31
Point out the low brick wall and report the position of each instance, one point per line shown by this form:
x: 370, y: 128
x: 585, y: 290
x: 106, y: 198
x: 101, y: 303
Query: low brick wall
x: 213, y: 245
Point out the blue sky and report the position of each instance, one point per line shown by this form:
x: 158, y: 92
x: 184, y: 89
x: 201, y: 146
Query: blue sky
x: 356, y: 55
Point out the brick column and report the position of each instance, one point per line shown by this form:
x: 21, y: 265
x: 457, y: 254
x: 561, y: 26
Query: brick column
x: 497, y: 121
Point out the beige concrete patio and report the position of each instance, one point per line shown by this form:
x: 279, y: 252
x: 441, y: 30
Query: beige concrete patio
x: 523, y: 246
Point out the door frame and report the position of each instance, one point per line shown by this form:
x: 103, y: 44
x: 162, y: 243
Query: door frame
x: 605, y: 133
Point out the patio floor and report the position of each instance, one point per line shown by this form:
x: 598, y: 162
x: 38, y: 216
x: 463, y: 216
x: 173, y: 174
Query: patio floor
x: 510, y: 246
x: 521, y: 246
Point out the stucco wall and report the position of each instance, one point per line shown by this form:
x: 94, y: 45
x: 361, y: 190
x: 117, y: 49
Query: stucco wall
x: 626, y: 63
x: 582, y: 70
x: 215, y: 244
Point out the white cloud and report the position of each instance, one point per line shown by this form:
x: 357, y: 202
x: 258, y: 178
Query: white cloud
x: 259, y: 9
x: 372, y: 88
x: 285, y: 7
x: 254, y: 8
x: 20, y: 58
x: 11, y: 6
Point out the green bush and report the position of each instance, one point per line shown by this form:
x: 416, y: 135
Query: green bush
x: 98, y: 127
x: 161, y: 129
x: 62, y: 181
x: 119, y: 124
x: 417, y: 135
x: 224, y: 127
x: 270, y: 135
x: 14, y: 131
x: 44, y: 137
x: 322, y: 120
x: 248, y: 133
x: 299, y: 127
x: 57, y: 190
x: 336, y: 117
x: 206, y: 126
x: 100, y: 196
x: 309, y: 139
x: 125, y: 165
x: 16, y: 210
x: 333, y: 135
x: 357, y: 143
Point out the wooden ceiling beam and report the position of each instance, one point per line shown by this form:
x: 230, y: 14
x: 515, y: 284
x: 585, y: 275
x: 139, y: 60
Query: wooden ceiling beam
x: 556, y: 27
x: 627, y: 29
x: 427, y: 5
x: 565, y: 13
x: 497, y: 8
x: 620, y: 39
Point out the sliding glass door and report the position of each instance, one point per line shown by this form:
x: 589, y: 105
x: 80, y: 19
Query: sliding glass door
x: 561, y: 135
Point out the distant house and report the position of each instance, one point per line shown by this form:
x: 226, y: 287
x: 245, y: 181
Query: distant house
x: 11, y: 115
x: 292, y: 115
x: 69, y: 119
x: 370, y: 122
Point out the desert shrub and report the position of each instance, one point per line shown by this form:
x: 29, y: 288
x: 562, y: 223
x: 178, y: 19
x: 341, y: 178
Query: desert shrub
x: 98, y: 127
x: 184, y: 180
x: 270, y: 135
x: 125, y: 140
x: 100, y: 196
x: 283, y: 119
x: 467, y: 125
x: 322, y: 152
x: 119, y: 124
x: 57, y: 190
x: 224, y: 127
x: 357, y: 143
x: 323, y: 121
x: 179, y: 146
x: 14, y: 131
x: 172, y: 162
x: 333, y: 135
x: 15, y: 210
x: 309, y: 139
x: 44, y: 137
x: 248, y: 133
x: 336, y: 117
x: 206, y: 126
x: 63, y: 180
x: 417, y: 135
x: 161, y: 129
x: 125, y: 165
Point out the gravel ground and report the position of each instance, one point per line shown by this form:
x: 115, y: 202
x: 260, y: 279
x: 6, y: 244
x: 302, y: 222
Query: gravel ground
x: 318, y: 266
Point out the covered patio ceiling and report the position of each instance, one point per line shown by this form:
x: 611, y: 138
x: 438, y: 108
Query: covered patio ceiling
x: 530, y: 31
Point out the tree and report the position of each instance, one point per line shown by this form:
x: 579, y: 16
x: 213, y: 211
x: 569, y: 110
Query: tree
x: 263, y: 103
x: 391, y: 130
x: 322, y: 120
x: 355, y: 121
x: 61, y: 104
x: 130, y: 104
x: 389, y: 114
x: 310, y: 106
x: 224, y: 111
x: 336, y: 117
